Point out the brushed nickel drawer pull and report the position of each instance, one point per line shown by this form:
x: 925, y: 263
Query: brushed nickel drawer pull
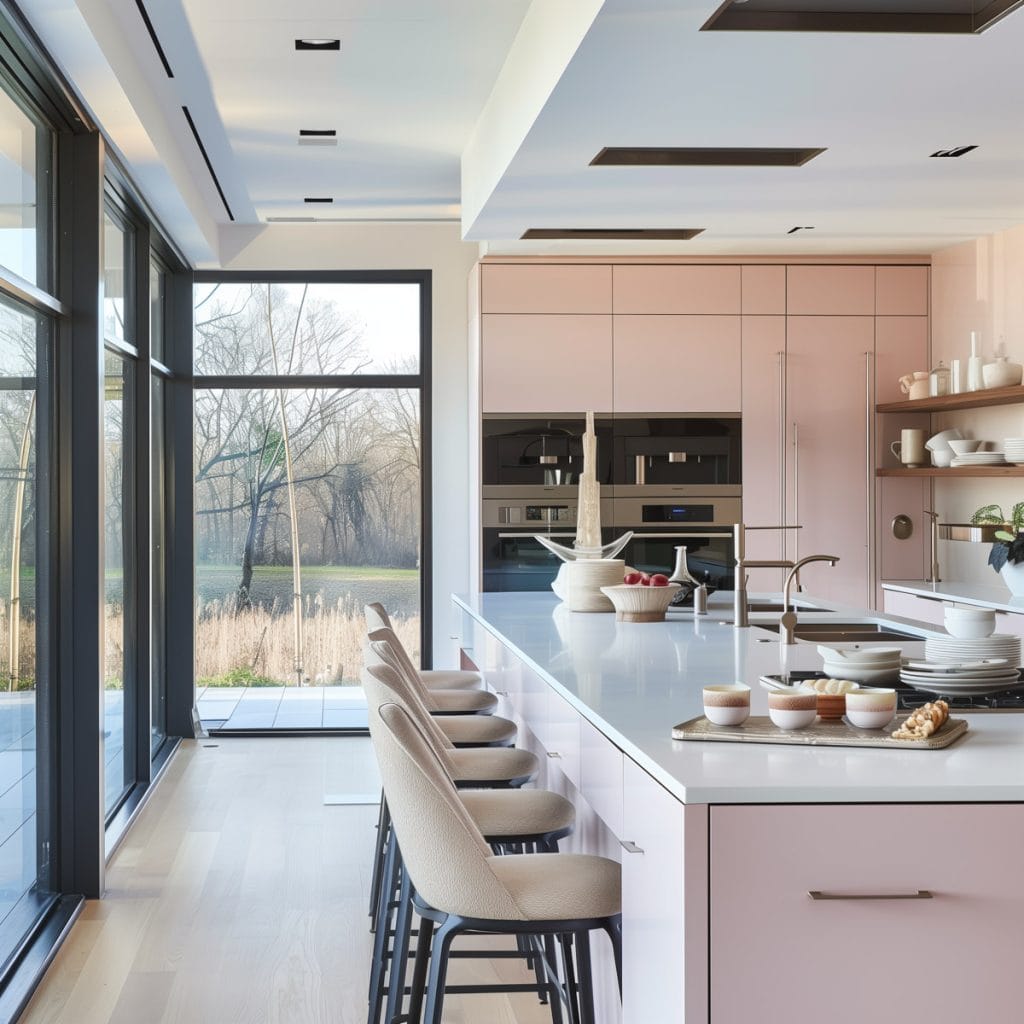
x: 921, y: 894
x: 630, y: 847
x: 554, y: 753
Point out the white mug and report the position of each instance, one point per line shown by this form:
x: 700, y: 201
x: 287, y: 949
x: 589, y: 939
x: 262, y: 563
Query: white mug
x: 909, y: 449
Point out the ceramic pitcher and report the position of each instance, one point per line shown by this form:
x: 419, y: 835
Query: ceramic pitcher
x: 915, y: 385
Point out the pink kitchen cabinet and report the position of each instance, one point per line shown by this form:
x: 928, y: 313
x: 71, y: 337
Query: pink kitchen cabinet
x: 554, y: 363
x: 764, y: 443
x: 678, y: 364
x: 764, y: 290
x: 779, y: 956
x: 688, y: 288
x: 830, y: 291
x: 902, y: 347
x: 901, y: 291
x: 664, y: 905
x: 554, y: 288
x: 829, y: 369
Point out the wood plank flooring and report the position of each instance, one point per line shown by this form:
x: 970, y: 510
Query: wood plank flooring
x: 238, y: 897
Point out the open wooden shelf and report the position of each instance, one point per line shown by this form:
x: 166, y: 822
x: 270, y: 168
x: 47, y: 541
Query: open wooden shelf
x: 965, y: 400
x: 953, y: 471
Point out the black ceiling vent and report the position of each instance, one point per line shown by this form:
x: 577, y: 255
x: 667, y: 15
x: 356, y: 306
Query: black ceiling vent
x: 683, y: 156
x: 318, y: 199
x: 629, y: 234
x: 207, y: 161
x: 908, y: 16
x: 318, y: 137
x: 323, y: 45
x: 800, y: 227
x: 153, y: 36
x: 954, y: 152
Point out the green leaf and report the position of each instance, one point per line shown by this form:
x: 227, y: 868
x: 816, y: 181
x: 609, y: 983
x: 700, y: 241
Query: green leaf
x: 988, y: 514
x: 1004, y: 535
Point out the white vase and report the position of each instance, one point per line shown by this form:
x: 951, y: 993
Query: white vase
x: 1013, y: 577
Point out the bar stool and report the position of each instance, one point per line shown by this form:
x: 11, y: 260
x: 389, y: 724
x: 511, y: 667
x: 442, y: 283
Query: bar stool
x: 461, y: 886
x: 509, y: 818
x: 433, y: 678
x: 439, y: 701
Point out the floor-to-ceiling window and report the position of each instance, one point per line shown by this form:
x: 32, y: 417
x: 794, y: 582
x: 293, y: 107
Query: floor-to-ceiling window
x: 308, y: 491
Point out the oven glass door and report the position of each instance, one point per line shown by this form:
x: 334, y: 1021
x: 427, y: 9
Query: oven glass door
x: 710, y: 560
x: 514, y: 560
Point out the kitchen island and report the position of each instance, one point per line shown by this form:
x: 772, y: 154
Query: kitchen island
x: 913, y: 853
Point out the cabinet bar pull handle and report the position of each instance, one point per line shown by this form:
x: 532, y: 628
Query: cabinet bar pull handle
x: 554, y: 753
x: 783, y: 540
x: 869, y: 476
x: 921, y: 894
x: 629, y: 847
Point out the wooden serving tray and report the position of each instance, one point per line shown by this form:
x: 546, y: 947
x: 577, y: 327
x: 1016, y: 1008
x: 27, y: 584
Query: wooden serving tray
x: 761, y: 729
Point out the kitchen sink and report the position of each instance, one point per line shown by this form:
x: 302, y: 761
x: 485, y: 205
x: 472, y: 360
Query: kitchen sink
x: 844, y: 632
x: 776, y: 606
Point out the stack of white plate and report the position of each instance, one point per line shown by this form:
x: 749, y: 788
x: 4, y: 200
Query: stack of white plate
x: 873, y: 665
x: 963, y: 679
x: 979, y: 459
x: 952, y: 650
x: 1013, y: 449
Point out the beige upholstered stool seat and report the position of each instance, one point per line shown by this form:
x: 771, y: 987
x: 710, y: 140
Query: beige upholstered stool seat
x: 553, y: 888
x: 491, y: 764
x: 476, y: 730
x: 450, y: 679
x: 517, y: 812
x: 461, y: 702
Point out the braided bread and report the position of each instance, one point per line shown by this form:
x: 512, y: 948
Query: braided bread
x: 923, y: 722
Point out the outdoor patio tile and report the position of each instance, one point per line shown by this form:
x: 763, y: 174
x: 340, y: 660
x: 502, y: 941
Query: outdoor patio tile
x: 310, y: 721
x: 251, y: 721
x: 352, y: 719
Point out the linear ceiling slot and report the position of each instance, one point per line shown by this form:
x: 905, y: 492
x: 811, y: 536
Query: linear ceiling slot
x: 152, y: 35
x: 290, y: 220
x: 800, y: 227
x: 955, y: 152
x: 690, y: 156
x: 208, y: 162
x: 318, y: 133
x: 906, y: 16
x: 318, y: 199
x: 641, y: 234
x: 323, y: 45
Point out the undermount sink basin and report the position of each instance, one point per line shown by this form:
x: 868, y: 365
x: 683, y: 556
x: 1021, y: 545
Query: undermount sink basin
x: 776, y: 606
x: 844, y: 632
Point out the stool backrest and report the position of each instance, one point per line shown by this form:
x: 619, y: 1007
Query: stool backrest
x: 383, y: 684
x: 376, y: 616
x: 384, y: 646
x: 446, y: 856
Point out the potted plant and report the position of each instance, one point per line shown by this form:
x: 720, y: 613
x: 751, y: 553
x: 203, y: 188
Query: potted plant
x: 1007, y: 554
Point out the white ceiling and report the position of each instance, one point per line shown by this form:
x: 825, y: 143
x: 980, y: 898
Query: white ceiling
x: 512, y: 90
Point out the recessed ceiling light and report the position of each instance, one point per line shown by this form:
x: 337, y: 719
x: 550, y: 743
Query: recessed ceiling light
x: 317, y: 44
x: 318, y: 199
x: 703, y: 156
x: 800, y: 227
x: 955, y: 151
x: 909, y: 16
x: 646, y: 234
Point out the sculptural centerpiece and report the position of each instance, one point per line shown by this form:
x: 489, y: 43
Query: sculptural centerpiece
x: 588, y: 565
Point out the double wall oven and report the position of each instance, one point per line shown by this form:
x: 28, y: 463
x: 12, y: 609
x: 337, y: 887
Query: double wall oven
x: 673, y: 481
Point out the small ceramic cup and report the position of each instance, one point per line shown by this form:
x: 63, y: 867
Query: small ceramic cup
x: 795, y: 709
x: 871, y: 708
x: 728, y: 704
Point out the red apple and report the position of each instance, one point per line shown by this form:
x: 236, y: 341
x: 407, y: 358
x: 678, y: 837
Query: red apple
x: 632, y: 578
x: 645, y: 580
x: 659, y: 580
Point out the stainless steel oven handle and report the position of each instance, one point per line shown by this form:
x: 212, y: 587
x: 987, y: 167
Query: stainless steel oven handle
x: 527, y: 534
x: 682, y: 536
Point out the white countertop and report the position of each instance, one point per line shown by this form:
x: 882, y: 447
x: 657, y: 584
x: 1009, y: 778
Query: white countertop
x: 994, y: 595
x: 634, y: 681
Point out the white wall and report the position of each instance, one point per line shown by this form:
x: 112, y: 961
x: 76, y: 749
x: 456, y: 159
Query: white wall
x: 976, y: 286
x: 409, y: 246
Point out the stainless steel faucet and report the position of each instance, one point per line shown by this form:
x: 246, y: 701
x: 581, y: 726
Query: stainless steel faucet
x: 741, y: 615
x: 787, y: 624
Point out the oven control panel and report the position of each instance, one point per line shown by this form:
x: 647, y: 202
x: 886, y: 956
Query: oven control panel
x: 529, y: 514
x: 679, y: 513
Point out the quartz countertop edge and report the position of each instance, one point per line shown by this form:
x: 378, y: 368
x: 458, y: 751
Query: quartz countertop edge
x: 634, y: 681
x: 983, y: 595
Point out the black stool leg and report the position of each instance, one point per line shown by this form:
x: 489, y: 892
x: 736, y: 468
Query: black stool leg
x: 614, y: 929
x: 383, y: 829
x: 586, y: 989
x: 400, y: 951
x: 380, y: 939
x: 439, y: 953
x: 571, y: 987
x: 551, y: 981
x: 419, y: 972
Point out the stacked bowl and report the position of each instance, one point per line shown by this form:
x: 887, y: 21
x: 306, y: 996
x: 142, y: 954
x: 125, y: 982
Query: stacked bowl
x: 938, y: 445
x: 873, y: 665
x: 970, y: 623
x: 1013, y: 449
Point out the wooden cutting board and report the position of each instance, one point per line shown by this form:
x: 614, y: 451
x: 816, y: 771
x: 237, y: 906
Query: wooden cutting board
x: 761, y: 729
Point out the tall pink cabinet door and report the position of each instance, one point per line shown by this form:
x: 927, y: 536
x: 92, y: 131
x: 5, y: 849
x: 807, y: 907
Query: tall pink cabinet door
x: 556, y: 288
x: 546, y: 363
x: 764, y: 443
x: 829, y: 369
x: 664, y: 905
x: 679, y: 364
x: 779, y: 956
x: 830, y: 291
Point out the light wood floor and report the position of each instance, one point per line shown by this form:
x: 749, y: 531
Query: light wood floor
x: 239, y: 897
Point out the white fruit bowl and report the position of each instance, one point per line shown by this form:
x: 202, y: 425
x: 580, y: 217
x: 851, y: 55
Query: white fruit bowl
x: 637, y: 603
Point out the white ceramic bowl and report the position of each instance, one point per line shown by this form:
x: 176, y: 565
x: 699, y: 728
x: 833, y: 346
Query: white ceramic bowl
x: 636, y: 603
x: 728, y: 704
x: 971, y: 613
x: 862, y: 674
x: 940, y: 441
x: 964, y: 447
x: 970, y: 629
x: 868, y: 719
x: 942, y: 457
x: 788, y: 719
x: 868, y: 657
